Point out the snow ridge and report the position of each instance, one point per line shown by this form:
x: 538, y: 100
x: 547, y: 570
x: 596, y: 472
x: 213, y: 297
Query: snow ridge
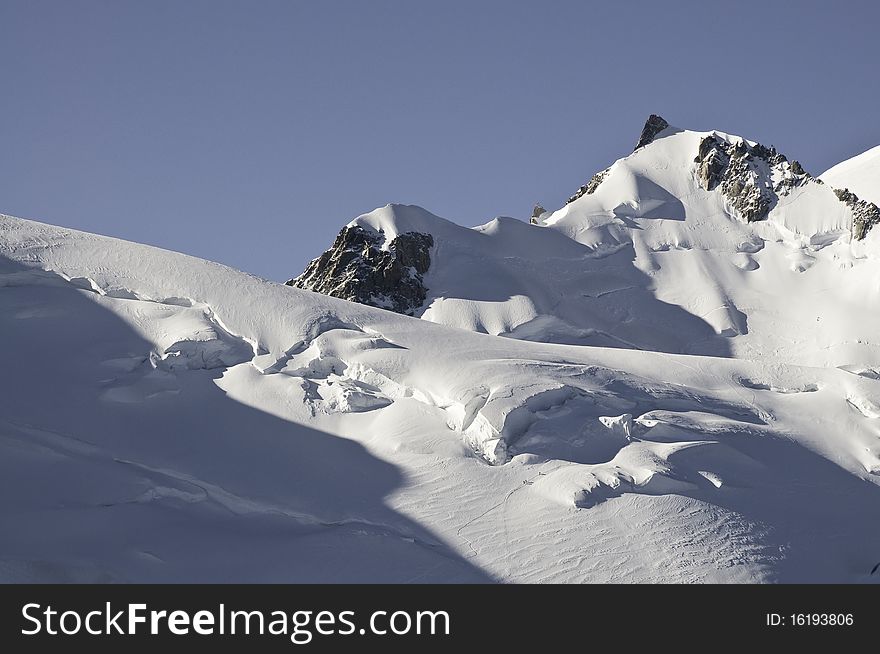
x: 675, y: 377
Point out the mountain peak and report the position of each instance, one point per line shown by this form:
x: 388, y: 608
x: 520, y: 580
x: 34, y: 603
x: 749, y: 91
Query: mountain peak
x: 653, y: 126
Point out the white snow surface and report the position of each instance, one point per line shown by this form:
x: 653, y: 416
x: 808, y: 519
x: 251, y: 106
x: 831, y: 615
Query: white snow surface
x: 641, y: 389
x: 861, y: 175
x: 652, y: 261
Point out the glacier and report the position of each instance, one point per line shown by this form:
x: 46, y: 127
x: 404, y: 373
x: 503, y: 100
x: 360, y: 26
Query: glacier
x: 643, y: 386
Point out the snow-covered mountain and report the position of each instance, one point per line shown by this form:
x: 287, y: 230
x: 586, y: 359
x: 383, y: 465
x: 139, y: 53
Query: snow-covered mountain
x: 697, y: 242
x: 861, y: 175
x: 674, y: 377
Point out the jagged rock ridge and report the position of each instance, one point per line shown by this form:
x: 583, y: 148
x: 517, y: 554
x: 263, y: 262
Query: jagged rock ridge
x: 751, y: 176
x: 358, y: 269
x: 653, y: 126
x: 591, y: 186
x: 865, y: 214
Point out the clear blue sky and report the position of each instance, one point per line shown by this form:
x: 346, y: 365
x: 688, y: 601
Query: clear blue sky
x: 250, y: 132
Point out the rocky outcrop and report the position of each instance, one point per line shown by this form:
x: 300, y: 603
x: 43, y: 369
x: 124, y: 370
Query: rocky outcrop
x: 537, y: 212
x: 752, y: 177
x: 653, y: 126
x: 865, y: 214
x: 359, y: 269
x: 591, y: 186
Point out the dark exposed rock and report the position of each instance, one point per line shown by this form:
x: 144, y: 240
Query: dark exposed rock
x: 744, y: 173
x: 653, y: 126
x: 712, y: 162
x: 865, y: 214
x: 356, y: 268
x: 591, y: 186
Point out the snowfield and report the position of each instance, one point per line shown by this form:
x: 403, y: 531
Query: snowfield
x: 859, y: 174
x: 640, y: 388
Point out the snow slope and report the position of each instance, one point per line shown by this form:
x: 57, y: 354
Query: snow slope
x: 651, y: 260
x: 510, y: 278
x: 754, y: 283
x: 861, y: 175
x: 167, y: 418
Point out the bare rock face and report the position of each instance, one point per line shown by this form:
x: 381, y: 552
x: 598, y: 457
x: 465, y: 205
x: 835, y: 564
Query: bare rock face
x: 358, y: 269
x: 590, y: 187
x: 753, y: 177
x: 745, y: 174
x: 653, y: 126
x: 712, y: 161
x: 865, y: 214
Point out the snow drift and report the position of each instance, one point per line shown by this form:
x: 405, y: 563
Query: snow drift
x: 643, y: 387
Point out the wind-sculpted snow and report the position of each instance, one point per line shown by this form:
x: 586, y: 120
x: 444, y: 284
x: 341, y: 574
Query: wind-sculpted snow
x: 698, y: 243
x: 646, y: 389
